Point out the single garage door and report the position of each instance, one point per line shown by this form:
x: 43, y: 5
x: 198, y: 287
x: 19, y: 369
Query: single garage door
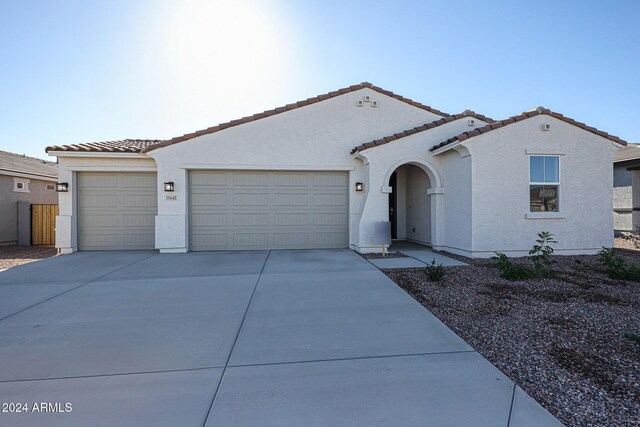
x: 116, y: 211
x: 240, y: 210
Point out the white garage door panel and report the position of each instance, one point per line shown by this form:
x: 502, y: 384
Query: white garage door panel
x: 268, y: 210
x: 116, y: 211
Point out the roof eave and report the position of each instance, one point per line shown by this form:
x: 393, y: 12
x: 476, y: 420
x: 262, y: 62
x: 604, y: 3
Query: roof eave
x: 425, y: 128
x: 448, y: 147
x: 290, y: 107
x: 616, y: 141
x: 621, y: 161
x: 103, y: 154
x: 29, y: 175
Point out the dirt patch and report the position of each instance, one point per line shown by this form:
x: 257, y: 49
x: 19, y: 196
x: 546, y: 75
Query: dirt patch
x: 387, y: 255
x: 621, y: 243
x: 564, y: 339
x: 10, y: 256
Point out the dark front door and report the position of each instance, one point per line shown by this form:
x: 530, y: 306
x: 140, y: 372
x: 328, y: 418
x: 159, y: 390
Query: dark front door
x: 392, y: 206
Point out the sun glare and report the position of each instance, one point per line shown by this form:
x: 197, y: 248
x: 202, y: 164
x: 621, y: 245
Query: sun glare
x: 212, y: 49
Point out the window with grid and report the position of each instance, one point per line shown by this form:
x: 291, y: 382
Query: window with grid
x: 544, y: 183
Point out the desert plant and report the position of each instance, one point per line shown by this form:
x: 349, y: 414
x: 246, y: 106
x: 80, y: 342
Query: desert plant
x: 510, y: 270
x: 616, y: 267
x: 540, y: 254
x: 613, y: 263
x: 435, y: 272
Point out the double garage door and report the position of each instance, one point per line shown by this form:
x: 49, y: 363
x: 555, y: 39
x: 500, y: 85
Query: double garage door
x: 229, y: 210
x: 236, y: 210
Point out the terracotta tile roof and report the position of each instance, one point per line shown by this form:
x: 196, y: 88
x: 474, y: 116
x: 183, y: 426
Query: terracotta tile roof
x: 526, y: 115
x: 630, y: 152
x: 11, y: 162
x: 422, y: 128
x: 290, y: 107
x: 122, y: 146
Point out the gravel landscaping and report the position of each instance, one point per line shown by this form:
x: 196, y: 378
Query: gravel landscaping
x: 10, y: 256
x: 380, y: 256
x: 572, y: 342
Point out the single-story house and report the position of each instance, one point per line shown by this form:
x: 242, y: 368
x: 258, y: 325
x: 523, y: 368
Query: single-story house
x: 320, y: 173
x: 23, y: 181
x: 626, y: 164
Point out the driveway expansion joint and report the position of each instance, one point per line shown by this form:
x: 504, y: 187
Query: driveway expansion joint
x: 340, y: 359
x: 74, y: 288
x: 116, y: 374
x: 224, y: 369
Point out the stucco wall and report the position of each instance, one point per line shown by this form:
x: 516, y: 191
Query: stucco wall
x: 500, y: 176
x: 449, y: 176
x: 68, y: 168
x: 458, y: 196
x: 316, y: 137
x: 38, y: 194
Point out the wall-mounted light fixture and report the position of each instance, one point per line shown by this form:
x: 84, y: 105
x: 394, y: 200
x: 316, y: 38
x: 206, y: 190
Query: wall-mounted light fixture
x: 168, y: 186
x: 62, y: 187
x: 359, y: 186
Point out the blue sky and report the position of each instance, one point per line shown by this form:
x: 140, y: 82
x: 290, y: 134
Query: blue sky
x: 80, y: 71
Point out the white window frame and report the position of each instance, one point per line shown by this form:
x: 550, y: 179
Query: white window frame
x: 557, y: 183
x: 25, y: 185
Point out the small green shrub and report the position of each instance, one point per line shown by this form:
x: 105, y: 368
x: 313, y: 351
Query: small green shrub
x: 540, y: 254
x: 613, y: 263
x: 435, y: 272
x: 617, y: 267
x: 510, y: 270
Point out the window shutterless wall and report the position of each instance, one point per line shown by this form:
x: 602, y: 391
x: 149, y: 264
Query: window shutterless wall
x: 502, y: 217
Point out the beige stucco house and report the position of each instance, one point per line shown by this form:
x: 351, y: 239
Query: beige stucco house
x: 321, y: 172
x: 24, y: 181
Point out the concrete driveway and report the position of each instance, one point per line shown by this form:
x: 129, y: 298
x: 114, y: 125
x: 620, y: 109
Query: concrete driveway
x: 237, y: 338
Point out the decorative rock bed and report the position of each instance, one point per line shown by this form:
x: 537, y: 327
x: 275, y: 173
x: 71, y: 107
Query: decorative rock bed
x: 571, y: 342
x: 10, y: 256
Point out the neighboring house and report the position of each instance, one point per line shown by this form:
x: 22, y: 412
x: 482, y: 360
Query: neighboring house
x: 23, y: 179
x: 320, y: 172
x: 625, y: 159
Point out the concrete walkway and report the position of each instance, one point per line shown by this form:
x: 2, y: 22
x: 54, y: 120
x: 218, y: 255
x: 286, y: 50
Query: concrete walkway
x: 417, y: 255
x: 244, y: 338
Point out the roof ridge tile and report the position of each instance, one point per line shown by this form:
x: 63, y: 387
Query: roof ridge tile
x: 422, y: 128
x: 298, y: 104
x: 526, y: 115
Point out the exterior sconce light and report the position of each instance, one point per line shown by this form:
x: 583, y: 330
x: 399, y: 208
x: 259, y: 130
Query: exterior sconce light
x: 62, y: 187
x: 359, y: 186
x: 168, y: 186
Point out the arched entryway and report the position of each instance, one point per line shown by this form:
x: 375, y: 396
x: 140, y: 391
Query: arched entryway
x: 410, y: 210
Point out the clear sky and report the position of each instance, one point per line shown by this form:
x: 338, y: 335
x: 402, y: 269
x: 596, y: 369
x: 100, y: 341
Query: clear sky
x: 86, y: 70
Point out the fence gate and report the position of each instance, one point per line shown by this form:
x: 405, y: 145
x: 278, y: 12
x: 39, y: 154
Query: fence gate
x: 43, y: 224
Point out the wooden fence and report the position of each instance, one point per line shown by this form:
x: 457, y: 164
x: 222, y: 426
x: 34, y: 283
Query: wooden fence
x: 43, y: 224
